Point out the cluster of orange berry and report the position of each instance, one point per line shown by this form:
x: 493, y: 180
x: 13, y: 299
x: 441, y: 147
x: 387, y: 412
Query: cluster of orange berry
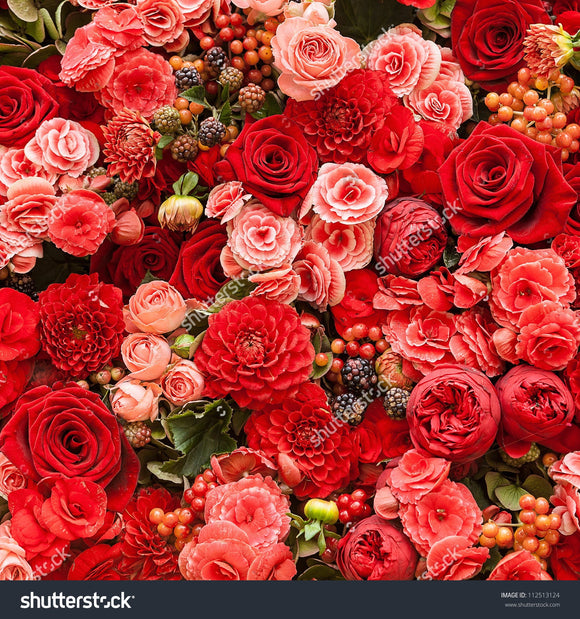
x: 535, y: 116
x: 178, y: 526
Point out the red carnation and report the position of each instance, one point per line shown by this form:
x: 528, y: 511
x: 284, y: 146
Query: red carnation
x: 82, y: 323
x: 303, y: 430
x: 255, y: 350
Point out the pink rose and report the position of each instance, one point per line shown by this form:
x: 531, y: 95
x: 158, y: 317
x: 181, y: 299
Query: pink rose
x: 162, y: 21
x: 240, y: 463
x: 261, y: 240
x: 15, y: 165
x: 156, y: 307
x: 322, y: 280
x: 133, y: 400
x: 11, y: 478
x: 567, y: 470
x: 281, y: 285
x: 13, y: 564
x: 63, y: 147
x: 519, y: 565
x: 275, y: 563
x: 118, y: 25
x: 196, y: 12
x: 259, y: 8
x: 226, y: 201
x: 454, y: 558
x: 482, y: 254
x: 183, y: 383
x: 145, y: 355
x: 351, y: 245
x: 416, y: 474
x: 566, y: 501
x: 254, y: 504
x: 30, y: 201
x: 347, y: 193
x: 409, y: 61
x: 312, y: 57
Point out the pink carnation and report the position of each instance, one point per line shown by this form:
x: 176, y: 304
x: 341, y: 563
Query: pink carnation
x: 281, y: 285
x: 119, y: 26
x: 416, y: 475
x: 15, y: 165
x: 226, y: 201
x: 30, y: 201
x: 196, y: 12
x: 567, y: 470
x: 482, y: 254
x: 162, y: 21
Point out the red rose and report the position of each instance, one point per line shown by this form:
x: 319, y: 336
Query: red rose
x: 96, y: 563
x: 14, y: 376
x: 499, y: 180
x: 374, y: 549
x: 19, y: 332
x: 454, y: 413
x: 199, y: 273
x: 487, y: 37
x: 274, y: 162
x: 204, y: 165
x: 572, y: 176
x: 67, y: 432
x: 27, y: 100
x: 570, y: 21
x: 519, y: 565
x: 565, y: 558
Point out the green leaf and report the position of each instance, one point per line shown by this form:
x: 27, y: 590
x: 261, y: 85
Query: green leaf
x: 58, y: 17
x: 493, y: 481
x: 165, y: 141
x: 51, y: 28
x: 24, y: 9
x: 451, y: 257
x: 234, y: 290
x: 156, y: 468
x: 34, y: 59
x: 320, y: 571
x: 185, y: 184
x: 509, y: 496
x: 321, y: 343
x: 477, y: 492
x: 36, y: 30
x: 196, y: 95
x: 495, y: 462
x: 224, y: 94
x: 60, y: 46
x: 239, y: 418
x: 538, y: 486
x: 149, y: 277
x: 55, y: 265
x: 271, y: 107
x: 196, y: 322
x: 493, y: 560
x: 226, y: 114
x: 307, y: 548
x: 312, y: 529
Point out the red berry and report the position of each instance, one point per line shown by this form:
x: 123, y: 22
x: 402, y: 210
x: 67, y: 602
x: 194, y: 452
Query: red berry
x: 337, y: 365
x: 381, y: 345
x: 356, y: 508
x: 530, y: 529
x: 198, y: 504
x: 196, y: 529
x: 227, y: 34
x: 360, y: 331
x: 328, y: 555
x: 164, y: 530
x: 366, y: 510
x: 208, y: 475
x: 527, y: 501
x: 359, y: 495
x: 352, y: 349
x: 239, y: 32
x: 207, y: 43
x: 180, y: 531
x: 156, y: 515
x: 555, y: 521
x: 212, y: 485
x: 344, y: 500
x: 344, y: 516
x: 188, y: 495
x: 543, y: 522
x: 528, y: 516
x: 170, y: 519
x: 552, y: 537
x: 542, y: 505
x: 348, y: 335
x: 200, y: 487
x: 530, y: 544
x: 338, y: 346
x: 367, y: 351
x: 375, y: 333
x: 221, y: 21
x: 236, y: 19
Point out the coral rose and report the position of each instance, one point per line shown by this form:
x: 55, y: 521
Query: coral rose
x: 134, y: 400
x: 566, y: 502
x: 281, y: 285
x: 519, y: 565
x: 11, y: 478
x: 13, y: 564
x: 145, y: 355
x: 156, y: 307
x: 225, y: 201
x: 416, y: 474
x: 454, y: 558
x: 30, y: 201
x: 19, y: 329
x: 183, y: 383
x: 162, y: 21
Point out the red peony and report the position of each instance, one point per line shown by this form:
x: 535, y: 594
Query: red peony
x: 66, y: 431
x: 145, y: 554
x: 81, y: 323
x: 255, y: 350
x: 99, y: 562
x: 19, y: 332
x: 519, y: 565
x: 303, y: 430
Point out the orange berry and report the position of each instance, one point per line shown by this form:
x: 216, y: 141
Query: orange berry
x: 206, y: 43
x: 528, y: 501
x: 531, y: 97
x: 544, y: 549
x: 250, y: 43
x: 564, y: 140
x: 251, y: 57
x: 265, y: 53
x: 517, y: 546
x: 490, y: 529
x: 180, y: 544
x: 542, y: 505
x: 555, y: 76
x: 266, y: 70
x: 506, y: 99
x: 529, y: 113
x: 530, y: 529
x: 268, y: 84
x: 565, y: 154
x: 542, y: 522
x: 574, y: 130
x: 267, y: 38
x: 180, y: 531
x: 238, y: 63
x: 520, y: 535
x: 566, y: 85
x: 156, y: 515
x: 540, y: 113
x: 199, y: 65
x: 552, y: 537
x: 505, y: 113
x: 544, y: 137
x: 232, y: 132
x: 176, y: 62
x: 547, y: 105
x: 185, y: 116
x: 181, y: 104
x: 271, y: 24
x: 559, y: 122
x: 487, y: 542
x: 519, y: 124
x: 504, y: 537
x: 321, y: 359
x: 555, y: 521
x: 164, y: 530
x: 541, y: 83
x: 493, y: 119
x: 544, y: 125
x: 574, y: 147
x: 524, y: 76
x: 528, y: 516
x: 492, y: 101
x: 237, y: 47
x: 530, y: 544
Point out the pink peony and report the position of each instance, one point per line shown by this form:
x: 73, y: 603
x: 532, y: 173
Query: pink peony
x: 162, y: 21
x: 455, y: 558
x: 416, y: 475
x: 183, y: 383
x: 347, y: 193
x: 15, y: 165
x: 275, y: 563
x: 226, y: 201
x: 11, y: 477
x: 30, y: 201
x: 156, y: 307
x: 13, y: 564
x: 145, y: 355
x: 281, y: 285
x: 133, y: 400
x: 482, y: 254
x: 119, y: 26
x: 567, y: 469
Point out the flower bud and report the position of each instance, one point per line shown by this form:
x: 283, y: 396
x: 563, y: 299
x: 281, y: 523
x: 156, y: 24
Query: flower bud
x: 389, y: 368
x: 180, y: 213
x: 129, y: 229
x: 182, y: 345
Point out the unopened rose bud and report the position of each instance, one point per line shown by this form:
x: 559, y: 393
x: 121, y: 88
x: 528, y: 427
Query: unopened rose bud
x: 129, y: 229
x: 180, y: 213
x: 182, y: 345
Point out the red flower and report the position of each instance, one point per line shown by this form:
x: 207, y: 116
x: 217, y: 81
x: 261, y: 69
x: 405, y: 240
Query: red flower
x: 567, y: 246
x: 130, y: 146
x: 454, y: 558
x: 303, y: 429
x: 19, y: 332
x: 66, y: 431
x: 99, y: 562
x: 145, y: 554
x: 255, y: 350
x: 520, y: 565
x: 14, y: 376
x: 565, y: 558
x: 340, y: 124
x: 82, y: 323
x: 240, y: 463
x: 275, y: 563
x: 572, y: 176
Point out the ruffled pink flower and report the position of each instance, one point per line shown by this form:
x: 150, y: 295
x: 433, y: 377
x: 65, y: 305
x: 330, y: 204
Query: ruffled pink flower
x: 20, y: 249
x: 15, y: 165
x: 280, y: 285
x: 162, y: 21
x: 275, y: 563
x: 63, y: 147
x: 482, y: 254
x: 409, y: 61
x: 455, y: 558
x: 226, y: 201
x: 13, y: 564
x: 350, y: 245
x: 567, y: 470
x: 519, y: 565
x: 119, y: 26
x: 347, y: 193
x: 196, y: 12
x: 260, y: 8
x: 133, y: 400
x: 450, y: 68
x: 11, y: 477
x: 416, y: 475
x: 183, y: 383
x: 146, y: 355
x: 566, y: 502
x: 396, y: 293
x: 240, y: 463
x: 261, y: 240
x: 322, y: 280
x: 129, y: 228
x: 30, y: 201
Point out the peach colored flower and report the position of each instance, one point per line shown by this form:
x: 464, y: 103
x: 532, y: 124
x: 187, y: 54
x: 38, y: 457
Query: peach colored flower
x: 416, y: 474
x: 183, y: 383
x: 450, y: 68
x: 566, y: 502
x: 261, y: 240
x: 260, y: 8
x: 133, y: 400
x: 162, y: 21
x: 63, y: 147
x: 396, y: 292
x: 240, y: 463
x: 156, y: 307
x: 455, y: 558
x: 519, y: 565
x: 129, y: 228
x: 482, y: 254
x: 567, y: 469
x: 347, y: 193
x: 17, y: 246
x: 30, y: 201
x: 505, y: 341
x: 281, y: 285
x: 119, y: 26
x: 15, y: 165
x: 230, y: 265
x: 196, y: 12
x: 312, y: 57
x: 322, y: 280
x: 11, y: 478
x: 385, y: 504
x: 409, y: 61
x: 13, y: 564
x: 275, y: 563
x: 350, y: 245
x: 226, y: 201
x: 145, y: 355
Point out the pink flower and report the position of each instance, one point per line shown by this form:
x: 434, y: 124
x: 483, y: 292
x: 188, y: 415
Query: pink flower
x: 351, y: 245
x: 275, y: 563
x: 79, y: 222
x: 482, y: 254
x: 156, y: 307
x: 567, y: 469
x: 133, y: 400
x: 259, y: 8
x: 519, y: 565
x: 416, y: 474
x: 322, y: 280
x: 145, y: 355
x: 261, y: 240
x: 11, y: 478
x: 347, y: 193
x: 454, y: 558
x: 448, y: 510
x: 162, y: 21
x: 20, y: 249
x: 183, y: 383
x: 15, y: 165
x: 226, y: 201
x: 119, y: 26
x: 281, y: 285
x: 450, y: 68
x: 254, y: 504
x: 196, y: 12
x: 240, y: 463
x: 311, y: 57
x: 63, y: 147
x: 566, y: 501
x: 30, y: 201
x: 13, y: 564
x: 409, y: 61
x: 129, y: 228
x: 396, y: 293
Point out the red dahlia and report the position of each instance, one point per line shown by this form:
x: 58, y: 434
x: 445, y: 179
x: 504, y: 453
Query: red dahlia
x: 82, y: 323
x: 303, y: 430
x: 255, y: 350
x: 341, y: 123
x: 147, y: 555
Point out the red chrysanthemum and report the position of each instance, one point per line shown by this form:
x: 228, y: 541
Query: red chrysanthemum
x: 130, y: 146
x: 340, y: 124
x: 145, y: 554
x: 304, y: 432
x: 255, y: 350
x: 81, y: 323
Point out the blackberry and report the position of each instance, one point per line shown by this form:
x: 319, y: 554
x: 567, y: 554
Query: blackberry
x: 187, y: 78
x: 349, y: 407
x: 138, y: 434
x: 359, y: 375
x: 184, y: 148
x: 533, y: 454
x: 232, y: 77
x: 167, y: 120
x: 395, y: 402
x: 125, y: 190
x: 216, y: 60
x: 252, y: 98
x: 211, y: 132
x: 22, y: 282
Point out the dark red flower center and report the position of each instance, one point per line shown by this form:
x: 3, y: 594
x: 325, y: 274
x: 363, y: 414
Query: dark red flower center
x: 249, y: 348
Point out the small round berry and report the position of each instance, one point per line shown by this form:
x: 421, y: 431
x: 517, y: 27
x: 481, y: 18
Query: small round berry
x: 504, y: 537
x: 344, y: 500
x: 492, y: 101
x: 356, y: 508
x: 185, y: 116
x: 337, y: 346
x: 566, y: 85
x: 564, y: 140
x: 176, y: 62
x: 344, y: 516
x: 520, y: 535
x: 236, y: 19
x: 180, y: 531
x: 367, y: 351
x: 528, y: 516
x: 541, y: 83
x: 195, y: 530
x: 487, y: 542
x: 266, y: 54
x: 544, y: 549
x: 321, y: 359
x: 348, y: 335
x: 544, y: 137
x: 539, y: 114
x: 490, y: 529
x: 188, y: 495
x: 164, y: 530
x: 552, y: 537
x: 208, y: 476
x: 200, y: 487
x: 268, y: 85
x: 524, y: 76
x: 574, y: 130
x: 528, y: 501
x: 542, y: 505
x: 530, y: 529
x: 156, y: 515
x: 170, y: 519
x: 271, y: 24
x: 250, y: 43
x: 328, y: 556
x: 505, y: 99
x: 198, y: 504
x: 359, y: 495
x: 267, y: 38
x: 530, y: 544
x: 255, y: 76
x: 360, y: 330
x: 375, y: 333
x: 532, y: 132
x: 252, y: 58
x: 519, y: 124
x: 352, y: 349
x: 211, y: 485
x: 337, y: 365
x: 531, y: 97
x: 186, y: 516
x: 555, y: 521
x: 517, y: 105
x: 547, y: 105
x: 196, y: 108
x: 237, y: 47
x: 381, y: 345
x: 544, y: 125
x: 366, y: 510
x: 505, y: 113
x: 227, y: 34
x: 559, y: 120
x: 206, y: 43
x: 180, y: 544
x: 542, y: 522
x: 221, y: 20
